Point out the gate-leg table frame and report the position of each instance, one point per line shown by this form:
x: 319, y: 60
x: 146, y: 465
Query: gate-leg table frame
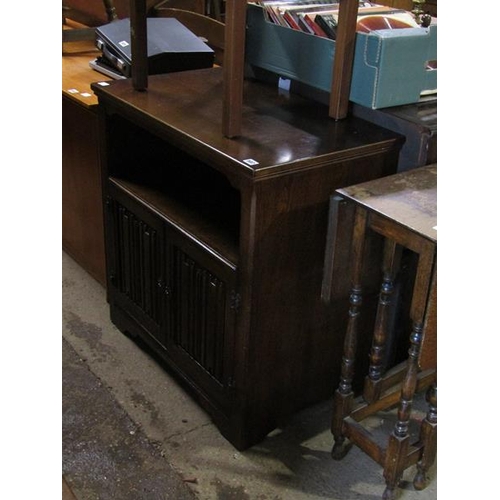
x: 401, y: 208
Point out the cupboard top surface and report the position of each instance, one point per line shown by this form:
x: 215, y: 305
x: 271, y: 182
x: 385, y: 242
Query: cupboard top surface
x: 281, y: 132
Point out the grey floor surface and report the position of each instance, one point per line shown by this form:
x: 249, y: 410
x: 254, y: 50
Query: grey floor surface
x: 130, y: 432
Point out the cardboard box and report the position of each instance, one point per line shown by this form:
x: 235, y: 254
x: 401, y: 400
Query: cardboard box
x: 390, y: 66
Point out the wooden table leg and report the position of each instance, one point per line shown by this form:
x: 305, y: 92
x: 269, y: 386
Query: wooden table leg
x: 399, y: 440
x: 344, y: 395
x: 390, y: 267
x: 428, y: 438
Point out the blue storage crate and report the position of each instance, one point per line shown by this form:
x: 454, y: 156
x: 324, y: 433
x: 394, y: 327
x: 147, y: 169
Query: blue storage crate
x: 390, y: 66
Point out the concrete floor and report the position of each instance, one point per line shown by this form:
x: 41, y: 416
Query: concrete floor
x: 130, y: 432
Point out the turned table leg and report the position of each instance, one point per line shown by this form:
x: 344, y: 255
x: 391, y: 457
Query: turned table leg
x: 428, y: 438
x: 344, y: 395
x: 399, y: 440
x: 390, y: 267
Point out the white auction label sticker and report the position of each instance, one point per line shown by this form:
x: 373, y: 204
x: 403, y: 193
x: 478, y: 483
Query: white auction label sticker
x: 250, y: 161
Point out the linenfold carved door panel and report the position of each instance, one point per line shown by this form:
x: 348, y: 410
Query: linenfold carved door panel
x: 200, y: 316
x: 135, y: 264
x: 173, y: 292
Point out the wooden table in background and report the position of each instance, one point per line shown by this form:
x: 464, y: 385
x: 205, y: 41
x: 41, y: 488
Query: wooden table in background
x: 82, y: 224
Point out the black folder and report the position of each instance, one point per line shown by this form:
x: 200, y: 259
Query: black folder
x: 171, y: 47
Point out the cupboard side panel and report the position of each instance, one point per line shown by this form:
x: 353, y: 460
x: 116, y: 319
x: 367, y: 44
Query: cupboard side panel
x: 295, y: 340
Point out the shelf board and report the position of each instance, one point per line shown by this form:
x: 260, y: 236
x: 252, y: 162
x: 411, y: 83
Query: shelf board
x: 216, y: 236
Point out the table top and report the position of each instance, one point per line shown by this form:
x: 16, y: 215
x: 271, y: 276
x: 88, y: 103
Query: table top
x: 409, y: 198
x: 77, y: 75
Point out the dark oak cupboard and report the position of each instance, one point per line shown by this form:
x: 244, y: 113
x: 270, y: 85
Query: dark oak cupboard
x: 215, y: 246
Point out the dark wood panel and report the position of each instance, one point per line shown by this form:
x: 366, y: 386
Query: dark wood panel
x: 295, y: 336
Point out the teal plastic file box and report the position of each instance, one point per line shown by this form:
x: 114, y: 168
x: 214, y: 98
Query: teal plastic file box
x: 390, y: 66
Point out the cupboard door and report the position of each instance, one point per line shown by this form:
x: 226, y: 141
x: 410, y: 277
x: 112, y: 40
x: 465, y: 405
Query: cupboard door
x: 200, y: 319
x: 135, y: 255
